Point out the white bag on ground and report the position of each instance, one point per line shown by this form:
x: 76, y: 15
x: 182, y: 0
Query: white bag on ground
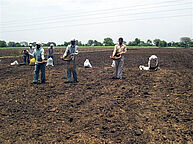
x: 50, y: 62
x: 141, y: 67
x: 152, y: 63
x: 87, y: 64
x: 14, y: 63
x: 113, y: 64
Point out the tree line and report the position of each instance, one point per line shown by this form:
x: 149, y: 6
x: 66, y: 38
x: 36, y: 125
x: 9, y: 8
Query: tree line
x: 184, y: 42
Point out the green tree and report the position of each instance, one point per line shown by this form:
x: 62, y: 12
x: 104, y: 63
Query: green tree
x: 186, y: 41
x: 108, y: 42
x: 169, y: 44
x: 142, y: 43
x: 175, y: 44
x: 191, y: 43
x: 132, y: 43
x: 49, y: 43
x: 96, y: 43
x: 24, y: 44
x: 17, y: 44
x: 2, y: 43
x: 156, y: 42
x: 79, y: 43
x: 11, y: 44
x: 149, y: 42
x: 162, y: 43
x: 66, y: 43
x: 137, y: 41
x: 124, y: 42
x: 90, y: 42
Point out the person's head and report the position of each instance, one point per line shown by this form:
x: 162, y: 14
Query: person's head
x: 121, y: 41
x: 51, y: 45
x: 38, y: 45
x: 30, y: 45
x: 73, y: 42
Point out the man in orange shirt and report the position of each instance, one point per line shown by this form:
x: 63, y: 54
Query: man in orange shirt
x: 119, y: 50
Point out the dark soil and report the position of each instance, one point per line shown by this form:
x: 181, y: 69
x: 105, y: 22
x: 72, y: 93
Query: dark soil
x: 144, y: 107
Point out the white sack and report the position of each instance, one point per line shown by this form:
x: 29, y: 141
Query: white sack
x: 14, y: 63
x: 50, y: 62
x: 152, y: 63
x: 113, y: 64
x: 87, y: 64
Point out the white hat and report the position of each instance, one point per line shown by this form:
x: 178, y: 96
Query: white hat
x: 30, y: 44
x: 39, y: 43
x: 51, y: 44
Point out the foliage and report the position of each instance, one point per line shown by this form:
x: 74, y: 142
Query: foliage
x: 3, y: 43
x: 186, y: 41
x: 108, y: 42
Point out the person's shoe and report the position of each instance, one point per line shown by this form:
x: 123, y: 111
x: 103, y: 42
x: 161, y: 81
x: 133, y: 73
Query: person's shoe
x: 119, y: 78
x: 34, y: 82
x: 42, y: 82
x: 114, y: 77
x: 76, y: 81
x: 67, y: 82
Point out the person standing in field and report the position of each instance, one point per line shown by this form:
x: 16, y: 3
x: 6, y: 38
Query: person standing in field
x: 51, y: 52
x: 31, y: 48
x: 119, y: 50
x: 72, y: 52
x: 39, y: 63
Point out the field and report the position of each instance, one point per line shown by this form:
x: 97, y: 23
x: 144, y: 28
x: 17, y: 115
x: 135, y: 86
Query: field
x: 144, y: 107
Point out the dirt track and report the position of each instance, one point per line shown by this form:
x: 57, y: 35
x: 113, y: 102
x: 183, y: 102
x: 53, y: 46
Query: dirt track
x: 144, y: 107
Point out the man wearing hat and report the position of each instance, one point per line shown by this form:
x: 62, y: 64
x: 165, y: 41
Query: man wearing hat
x: 39, y: 65
x: 119, y: 50
x: 72, y: 51
x: 51, y: 52
x: 31, y: 48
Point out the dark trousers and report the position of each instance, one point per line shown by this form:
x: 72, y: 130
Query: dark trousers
x: 26, y: 58
x: 38, y: 68
x: 71, y: 68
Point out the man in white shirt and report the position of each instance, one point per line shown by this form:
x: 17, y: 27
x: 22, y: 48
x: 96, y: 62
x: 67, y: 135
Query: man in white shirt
x: 71, y: 50
x: 31, y: 48
x: 119, y: 49
x: 39, y: 66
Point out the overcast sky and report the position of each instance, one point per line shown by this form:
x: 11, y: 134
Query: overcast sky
x: 61, y: 20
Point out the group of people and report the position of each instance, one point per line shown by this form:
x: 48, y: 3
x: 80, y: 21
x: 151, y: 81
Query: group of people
x: 38, y: 54
x: 70, y: 54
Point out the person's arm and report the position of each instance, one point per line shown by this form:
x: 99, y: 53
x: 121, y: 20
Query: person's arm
x: 32, y: 54
x: 65, y: 53
x: 42, y: 54
x: 115, y: 50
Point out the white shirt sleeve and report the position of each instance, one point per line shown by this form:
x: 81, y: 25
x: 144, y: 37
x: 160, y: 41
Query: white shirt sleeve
x: 43, y: 54
x: 115, y: 50
x: 65, y: 53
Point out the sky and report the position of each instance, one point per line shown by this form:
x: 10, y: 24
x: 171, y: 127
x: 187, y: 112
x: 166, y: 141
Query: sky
x: 61, y: 20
